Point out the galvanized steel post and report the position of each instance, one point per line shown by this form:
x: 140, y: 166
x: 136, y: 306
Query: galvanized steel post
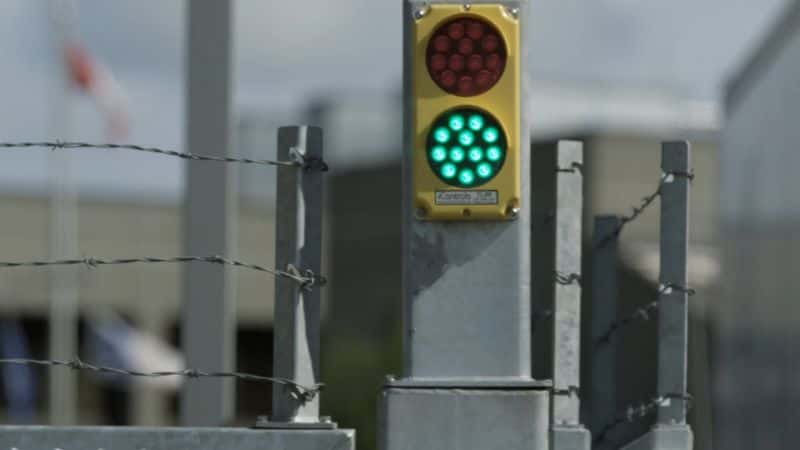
x: 603, y: 396
x: 567, y: 433
x: 298, y: 243
x: 673, y: 326
x: 208, y: 322
x: 466, y: 289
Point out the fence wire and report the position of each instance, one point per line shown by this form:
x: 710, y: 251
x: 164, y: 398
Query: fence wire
x: 305, y: 278
x: 299, y: 391
x: 298, y: 159
x: 642, y: 313
x: 566, y: 279
x: 639, y: 411
x: 639, y: 209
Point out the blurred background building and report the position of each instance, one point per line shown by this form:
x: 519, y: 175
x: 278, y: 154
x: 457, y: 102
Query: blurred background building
x: 620, y: 75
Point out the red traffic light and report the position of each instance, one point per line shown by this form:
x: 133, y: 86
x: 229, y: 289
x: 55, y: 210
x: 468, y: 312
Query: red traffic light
x: 466, y: 56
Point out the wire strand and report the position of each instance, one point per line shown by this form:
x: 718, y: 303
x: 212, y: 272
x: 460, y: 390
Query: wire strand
x: 55, y: 145
x: 301, y: 392
x: 306, y: 278
x: 642, y: 313
x: 637, y: 411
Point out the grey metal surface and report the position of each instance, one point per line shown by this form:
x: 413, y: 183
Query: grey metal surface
x: 63, y: 225
x: 603, y: 404
x: 461, y: 419
x: 570, y: 438
x: 567, y: 304
x: 466, y: 383
x: 132, y: 438
x: 466, y: 285
x: 207, y: 322
x: 663, y: 437
x: 298, y: 241
x: 673, y: 324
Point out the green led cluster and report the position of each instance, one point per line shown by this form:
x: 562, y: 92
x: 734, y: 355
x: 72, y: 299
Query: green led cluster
x: 466, y: 147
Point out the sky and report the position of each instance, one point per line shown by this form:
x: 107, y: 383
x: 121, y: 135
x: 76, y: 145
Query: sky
x: 288, y: 52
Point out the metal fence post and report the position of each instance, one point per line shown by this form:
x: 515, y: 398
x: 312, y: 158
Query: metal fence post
x: 298, y: 239
x: 604, y: 313
x: 567, y: 431
x: 209, y: 220
x: 673, y: 301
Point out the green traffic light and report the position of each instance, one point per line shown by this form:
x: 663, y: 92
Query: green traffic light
x: 457, y: 154
x: 438, y: 153
x: 491, y: 135
x: 475, y: 122
x: 466, y: 177
x: 448, y: 170
x: 456, y: 122
x: 475, y: 154
x: 466, y: 147
x: 466, y: 137
x: 494, y: 153
x: 441, y: 135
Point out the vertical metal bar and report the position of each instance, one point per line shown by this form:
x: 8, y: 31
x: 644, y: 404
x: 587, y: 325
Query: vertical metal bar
x: 567, y: 304
x: 673, y: 303
x: 298, y: 235
x: 208, y: 331
x: 63, y: 232
x: 604, y: 313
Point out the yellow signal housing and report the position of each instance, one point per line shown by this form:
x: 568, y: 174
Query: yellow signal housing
x: 435, y: 196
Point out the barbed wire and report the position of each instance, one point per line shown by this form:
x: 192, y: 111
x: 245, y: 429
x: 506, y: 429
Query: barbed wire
x: 639, y: 209
x: 566, y: 279
x: 639, y: 411
x: 575, y: 167
x: 298, y: 391
x: 642, y: 313
x: 298, y: 159
x: 306, y: 278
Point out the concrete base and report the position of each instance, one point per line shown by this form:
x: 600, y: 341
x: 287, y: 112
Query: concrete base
x: 675, y: 437
x: 134, y: 438
x: 464, y: 419
x: 570, y: 438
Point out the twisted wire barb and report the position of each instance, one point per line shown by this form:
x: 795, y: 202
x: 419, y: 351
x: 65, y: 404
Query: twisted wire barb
x: 298, y: 391
x: 306, y: 278
x: 638, y: 411
x: 642, y: 313
x: 297, y: 161
x: 566, y: 279
x: 639, y: 209
x: 575, y: 167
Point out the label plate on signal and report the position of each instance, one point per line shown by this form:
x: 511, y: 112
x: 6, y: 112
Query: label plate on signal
x: 466, y: 197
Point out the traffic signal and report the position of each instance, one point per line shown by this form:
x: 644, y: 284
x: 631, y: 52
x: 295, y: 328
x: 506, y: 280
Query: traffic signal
x: 465, y: 119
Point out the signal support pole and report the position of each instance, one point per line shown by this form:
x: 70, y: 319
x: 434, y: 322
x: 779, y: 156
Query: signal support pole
x: 466, y: 284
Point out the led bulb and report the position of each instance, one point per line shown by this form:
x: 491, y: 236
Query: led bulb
x: 475, y: 122
x: 441, y: 135
x: 438, y: 153
x: 490, y: 135
x: 448, y: 170
x: 466, y: 176
x: 484, y: 170
x: 494, y: 153
x: 456, y: 122
x: 475, y: 154
x: 457, y: 154
x: 466, y: 137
